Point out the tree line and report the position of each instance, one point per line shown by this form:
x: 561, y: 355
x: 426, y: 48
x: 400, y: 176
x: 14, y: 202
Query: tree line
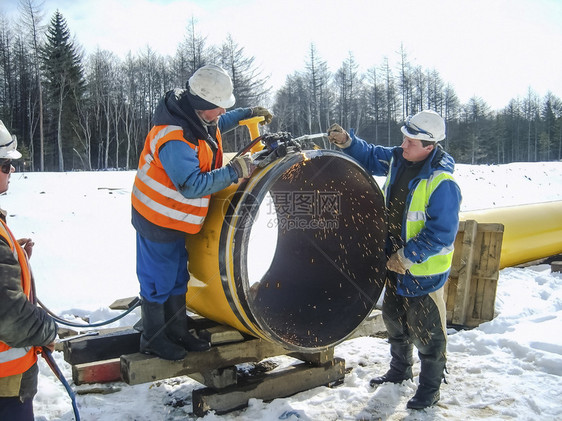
x: 77, y: 111
x: 375, y: 104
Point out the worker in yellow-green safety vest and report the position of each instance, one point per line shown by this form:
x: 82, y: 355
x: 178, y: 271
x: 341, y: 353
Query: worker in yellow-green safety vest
x: 423, y: 202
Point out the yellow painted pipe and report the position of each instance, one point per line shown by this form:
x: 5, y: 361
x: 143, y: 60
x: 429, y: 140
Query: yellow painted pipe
x: 531, y: 232
x: 326, y: 218
x: 205, y: 279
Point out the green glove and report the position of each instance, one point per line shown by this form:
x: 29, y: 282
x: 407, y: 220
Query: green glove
x: 262, y: 111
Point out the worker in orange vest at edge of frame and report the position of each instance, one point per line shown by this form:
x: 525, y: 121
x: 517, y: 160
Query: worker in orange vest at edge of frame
x: 180, y: 166
x: 24, y: 327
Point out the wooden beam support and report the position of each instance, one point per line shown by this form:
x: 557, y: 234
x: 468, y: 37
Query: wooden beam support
x: 268, y: 386
x: 140, y: 368
x: 97, y: 372
x: 105, y: 346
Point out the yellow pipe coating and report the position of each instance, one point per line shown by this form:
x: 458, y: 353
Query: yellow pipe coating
x: 205, y: 294
x: 205, y: 284
x: 531, y: 232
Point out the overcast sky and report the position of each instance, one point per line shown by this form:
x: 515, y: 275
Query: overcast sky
x: 493, y: 49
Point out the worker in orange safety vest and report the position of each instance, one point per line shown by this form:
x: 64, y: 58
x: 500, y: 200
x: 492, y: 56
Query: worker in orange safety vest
x: 24, y: 327
x: 180, y: 166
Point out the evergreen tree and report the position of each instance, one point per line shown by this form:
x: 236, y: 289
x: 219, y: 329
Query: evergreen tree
x: 63, y: 72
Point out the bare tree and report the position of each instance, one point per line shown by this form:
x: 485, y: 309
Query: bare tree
x: 191, y: 54
x: 317, y: 76
x: 391, y: 101
x: 405, y: 82
x: 32, y: 16
x: 249, y: 85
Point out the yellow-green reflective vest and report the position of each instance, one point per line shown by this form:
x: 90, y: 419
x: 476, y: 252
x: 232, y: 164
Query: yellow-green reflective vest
x: 415, y: 222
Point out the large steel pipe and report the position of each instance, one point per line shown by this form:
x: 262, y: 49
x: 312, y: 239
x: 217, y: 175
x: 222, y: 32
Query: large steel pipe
x: 531, y: 231
x: 314, y: 221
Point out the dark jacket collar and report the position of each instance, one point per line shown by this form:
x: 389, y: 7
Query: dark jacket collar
x: 175, y: 109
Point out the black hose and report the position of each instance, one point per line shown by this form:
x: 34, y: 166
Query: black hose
x: 134, y: 305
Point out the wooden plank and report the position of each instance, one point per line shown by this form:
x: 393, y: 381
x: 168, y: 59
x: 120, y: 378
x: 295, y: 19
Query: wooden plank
x: 474, y: 315
x: 449, y: 292
x: 489, y: 300
x: 315, y: 358
x: 218, y: 378
x: 140, y: 368
x: 97, y: 372
x: 465, y: 272
x: 105, y: 346
x: 124, y: 303
x: 221, y: 334
x: 291, y: 380
x: 99, y: 390
x: 484, y: 227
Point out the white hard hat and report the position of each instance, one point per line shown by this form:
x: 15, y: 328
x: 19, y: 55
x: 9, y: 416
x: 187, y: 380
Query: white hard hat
x: 214, y: 85
x: 425, y: 125
x: 8, y: 144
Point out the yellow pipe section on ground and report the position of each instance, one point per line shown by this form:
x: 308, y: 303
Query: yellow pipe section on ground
x: 531, y: 232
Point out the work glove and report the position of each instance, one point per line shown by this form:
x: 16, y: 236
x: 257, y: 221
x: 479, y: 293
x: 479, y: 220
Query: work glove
x: 338, y: 136
x: 399, y: 263
x: 262, y: 111
x: 26, y: 244
x: 243, y: 166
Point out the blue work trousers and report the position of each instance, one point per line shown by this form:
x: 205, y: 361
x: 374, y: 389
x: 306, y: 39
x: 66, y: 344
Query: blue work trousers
x: 13, y: 409
x: 161, y: 269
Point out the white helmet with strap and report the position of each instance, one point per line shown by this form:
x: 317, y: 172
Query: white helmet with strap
x: 8, y: 144
x: 425, y: 125
x: 214, y: 85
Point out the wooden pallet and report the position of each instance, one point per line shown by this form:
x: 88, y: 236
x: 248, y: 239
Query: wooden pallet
x: 470, y: 292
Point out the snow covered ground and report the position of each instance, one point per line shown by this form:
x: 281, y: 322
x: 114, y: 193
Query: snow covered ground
x: 84, y: 259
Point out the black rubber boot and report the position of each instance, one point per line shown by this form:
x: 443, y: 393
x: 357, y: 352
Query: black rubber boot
x: 153, y: 338
x: 176, y: 325
x: 400, y: 365
x: 431, y: 376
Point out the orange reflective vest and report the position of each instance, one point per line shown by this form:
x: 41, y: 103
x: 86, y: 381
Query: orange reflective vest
x: 154, y: 195
x: 17, y: 360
